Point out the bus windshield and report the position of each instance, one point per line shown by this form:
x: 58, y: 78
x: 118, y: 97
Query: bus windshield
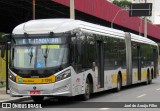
x: 51, y: 55
x: 39, y: 55
x: 22, y: 57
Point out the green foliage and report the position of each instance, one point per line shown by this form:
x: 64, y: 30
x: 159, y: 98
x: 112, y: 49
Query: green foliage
x: 2, y: 84
x: 148, y: 20
x: 122, y: 3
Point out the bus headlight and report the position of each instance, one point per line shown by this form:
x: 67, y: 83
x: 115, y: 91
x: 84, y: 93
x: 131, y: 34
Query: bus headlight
x: 63, y: 75
x: 11, y: 76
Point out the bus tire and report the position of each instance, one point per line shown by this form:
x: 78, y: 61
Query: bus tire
x: 119, y: 83
x: 147, y: 81
x: 150, y: 79
x: 87, y: 93
x: 37, y: 98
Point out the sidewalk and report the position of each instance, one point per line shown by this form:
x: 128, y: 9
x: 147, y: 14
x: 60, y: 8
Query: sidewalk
x: 7, y: 98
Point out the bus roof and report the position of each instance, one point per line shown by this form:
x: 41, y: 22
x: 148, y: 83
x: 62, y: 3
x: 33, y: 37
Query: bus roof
x: 58, y: 26
x: 141, y: 39
x: 43, y: 26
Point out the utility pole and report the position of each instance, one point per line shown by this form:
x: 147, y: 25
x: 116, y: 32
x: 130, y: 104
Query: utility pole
x: 72, y: 11
x: 33, y: 6
x: 145, y: 24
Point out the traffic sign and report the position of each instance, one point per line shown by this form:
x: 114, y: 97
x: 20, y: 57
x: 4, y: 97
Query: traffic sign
x: 140, y: 9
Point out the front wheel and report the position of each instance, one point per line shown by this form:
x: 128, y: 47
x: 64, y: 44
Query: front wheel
x: 87, y: 93
x: 37, y: 98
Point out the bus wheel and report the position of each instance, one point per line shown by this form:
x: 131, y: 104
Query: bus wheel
x: 119, y: 83
x: 87, y: 93
x: 150, y: 79
x: 147, y: 81
x: 37, y: 98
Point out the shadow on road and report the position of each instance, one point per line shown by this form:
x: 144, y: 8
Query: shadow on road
x: 124, y: 89
x: 75, y: 102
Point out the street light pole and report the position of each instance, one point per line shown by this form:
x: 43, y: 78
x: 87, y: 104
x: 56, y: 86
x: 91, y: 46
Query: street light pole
x: 116, y: 16
x: 33, y: 6
x: 72, y: 11
x: 145, y: 24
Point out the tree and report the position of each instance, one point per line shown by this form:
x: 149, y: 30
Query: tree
x: 122, y: 3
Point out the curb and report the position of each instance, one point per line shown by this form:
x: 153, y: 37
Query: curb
x: 16, y: 100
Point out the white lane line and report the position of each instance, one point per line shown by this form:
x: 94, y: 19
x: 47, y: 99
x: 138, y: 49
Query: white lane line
x: 158, y: 89
x: 141, y: 95
x: 102, y: 109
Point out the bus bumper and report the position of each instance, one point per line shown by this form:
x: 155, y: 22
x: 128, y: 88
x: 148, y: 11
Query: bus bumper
x: 60, y: 88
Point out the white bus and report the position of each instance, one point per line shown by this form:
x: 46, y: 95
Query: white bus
x: 65, y: 57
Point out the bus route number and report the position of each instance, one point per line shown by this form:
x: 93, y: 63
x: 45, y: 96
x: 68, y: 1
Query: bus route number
x: 47, y: 80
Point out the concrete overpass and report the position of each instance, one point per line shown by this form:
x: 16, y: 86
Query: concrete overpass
x: 14, y: 12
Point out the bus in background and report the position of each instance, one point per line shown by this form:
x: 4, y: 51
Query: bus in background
x: 65, y: 57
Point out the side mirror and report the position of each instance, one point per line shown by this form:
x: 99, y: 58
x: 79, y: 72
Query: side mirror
x: 8, y: 37
x: 2, y: 51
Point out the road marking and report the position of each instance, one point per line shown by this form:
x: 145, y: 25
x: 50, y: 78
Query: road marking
x: 158, y: 89
x: 102, y: 109
x: 141, y: 95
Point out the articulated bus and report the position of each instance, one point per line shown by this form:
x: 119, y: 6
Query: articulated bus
x: 65, y: 57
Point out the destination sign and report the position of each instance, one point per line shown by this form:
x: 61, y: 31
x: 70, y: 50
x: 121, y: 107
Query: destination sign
x: 41, y: 41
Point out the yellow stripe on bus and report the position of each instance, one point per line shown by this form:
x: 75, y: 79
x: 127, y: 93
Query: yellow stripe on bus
x: 144, y: 74
x: 124, y: 77
x: 114, y: 78
x: 46, y: 80
x: 136, y: 74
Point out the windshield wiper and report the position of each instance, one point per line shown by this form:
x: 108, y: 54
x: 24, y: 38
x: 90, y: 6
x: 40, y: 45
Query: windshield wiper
x: 45, y: 55
x: 31, y: 54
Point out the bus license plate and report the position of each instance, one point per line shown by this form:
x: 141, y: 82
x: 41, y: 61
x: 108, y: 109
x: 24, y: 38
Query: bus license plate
x: 34, y: 92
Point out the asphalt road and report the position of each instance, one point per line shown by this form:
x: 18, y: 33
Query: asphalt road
x: 135, y: 93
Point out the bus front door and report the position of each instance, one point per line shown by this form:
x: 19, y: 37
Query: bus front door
x: 100, y: 63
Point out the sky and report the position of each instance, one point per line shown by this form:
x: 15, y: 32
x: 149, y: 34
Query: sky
x: 157, y: 12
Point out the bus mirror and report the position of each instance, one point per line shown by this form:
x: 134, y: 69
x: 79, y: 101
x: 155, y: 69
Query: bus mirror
x: 8, y: 37
x: 2, y: 51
